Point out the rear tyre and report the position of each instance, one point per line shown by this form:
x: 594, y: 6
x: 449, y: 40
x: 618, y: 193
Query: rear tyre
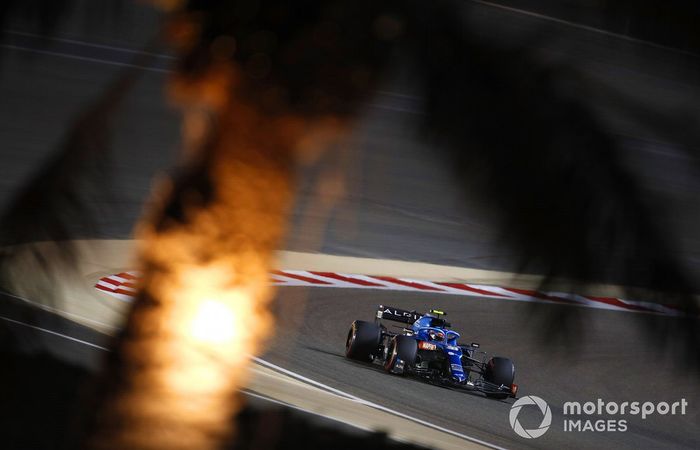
x: 362, y: 341
x: 402, y: 348
x: 499, y: 371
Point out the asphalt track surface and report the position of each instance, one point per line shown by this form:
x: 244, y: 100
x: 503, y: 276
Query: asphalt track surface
x: 614, y: 362
x: 75, y: 354
x: 397, y: 191
x: 402, y: 196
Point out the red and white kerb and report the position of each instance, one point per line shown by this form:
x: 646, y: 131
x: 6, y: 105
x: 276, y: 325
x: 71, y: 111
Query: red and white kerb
x: 124, y: 285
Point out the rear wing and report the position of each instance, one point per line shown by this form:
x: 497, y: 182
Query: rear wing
x: 397, y: 315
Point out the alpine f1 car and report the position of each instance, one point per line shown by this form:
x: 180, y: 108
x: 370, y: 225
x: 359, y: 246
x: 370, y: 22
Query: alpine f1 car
x: 426, y: 347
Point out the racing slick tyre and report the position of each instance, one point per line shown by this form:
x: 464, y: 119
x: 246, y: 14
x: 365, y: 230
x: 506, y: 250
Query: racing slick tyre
x: 499, y: 371
x: 363, y: 340
x: 402, y: 348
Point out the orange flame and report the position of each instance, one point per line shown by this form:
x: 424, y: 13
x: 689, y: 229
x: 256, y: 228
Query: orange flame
x: 205, y: 289
x: 204, y: 294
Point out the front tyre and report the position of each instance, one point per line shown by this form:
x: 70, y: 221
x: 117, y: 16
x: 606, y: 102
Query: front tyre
x: 362, y: 341
x: 501, y: 372
x: 402, y: 354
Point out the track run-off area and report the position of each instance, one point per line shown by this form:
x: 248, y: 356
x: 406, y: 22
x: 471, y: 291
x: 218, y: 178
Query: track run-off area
x: 603, y: 354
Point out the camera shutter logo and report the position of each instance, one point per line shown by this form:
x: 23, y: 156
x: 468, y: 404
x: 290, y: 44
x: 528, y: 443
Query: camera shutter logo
x: 546, y: 419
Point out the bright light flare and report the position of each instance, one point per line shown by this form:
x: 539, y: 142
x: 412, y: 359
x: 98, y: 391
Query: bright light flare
x: 203, y: 303
x: 212, y: 306
x: 214, y: 323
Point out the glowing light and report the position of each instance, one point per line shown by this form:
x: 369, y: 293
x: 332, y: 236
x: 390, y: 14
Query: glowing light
x: 214, y: 323
x: 204, y: 298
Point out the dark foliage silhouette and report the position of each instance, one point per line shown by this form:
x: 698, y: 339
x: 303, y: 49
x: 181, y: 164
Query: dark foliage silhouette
x: 516, y: 132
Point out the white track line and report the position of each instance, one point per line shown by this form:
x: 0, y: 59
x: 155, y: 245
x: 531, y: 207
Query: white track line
x: 298, y: 408
x: 88, y: 44
x: 55, y: 333
x: 390, y: 93
x: 61, y: 312
x: 297, y: 376
x: 83, y: 58
x: 374, y: 405
x: 585, y: 27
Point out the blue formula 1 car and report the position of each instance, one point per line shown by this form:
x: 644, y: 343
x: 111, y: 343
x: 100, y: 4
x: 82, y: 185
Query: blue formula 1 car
x: 426, y: 347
